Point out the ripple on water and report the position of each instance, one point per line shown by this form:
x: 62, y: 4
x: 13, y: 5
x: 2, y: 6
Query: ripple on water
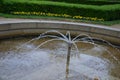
x: 48, y: 64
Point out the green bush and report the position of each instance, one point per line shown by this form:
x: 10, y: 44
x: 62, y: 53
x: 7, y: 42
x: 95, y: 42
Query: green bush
x: 1, y: 5
x: 107, y: 12
x: 90, y: 2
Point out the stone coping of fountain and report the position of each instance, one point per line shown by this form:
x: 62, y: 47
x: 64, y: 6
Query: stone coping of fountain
x: 16, y: 27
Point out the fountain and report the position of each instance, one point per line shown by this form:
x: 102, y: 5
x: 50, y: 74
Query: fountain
x: 80, y: 62
x: 67, y: 38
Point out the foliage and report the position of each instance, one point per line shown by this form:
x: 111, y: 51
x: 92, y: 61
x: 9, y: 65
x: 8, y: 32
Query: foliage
x: 59, y: 15
x: 90, y: 2
x: 106, y: 12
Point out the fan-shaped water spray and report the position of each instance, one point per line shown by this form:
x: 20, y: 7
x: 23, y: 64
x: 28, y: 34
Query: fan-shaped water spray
x: 56, y: 35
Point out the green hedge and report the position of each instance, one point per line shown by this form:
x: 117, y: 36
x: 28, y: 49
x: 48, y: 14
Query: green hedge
x: 90, y: 2
x: 111, y: 12
x: 1, y: 5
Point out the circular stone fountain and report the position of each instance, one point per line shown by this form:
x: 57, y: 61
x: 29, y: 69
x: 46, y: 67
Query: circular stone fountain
x: 22, y: 59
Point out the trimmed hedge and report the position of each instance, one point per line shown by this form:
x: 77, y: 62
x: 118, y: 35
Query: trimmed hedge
x: 90, y: 2
x: 111, y: 12
x: 1, y: 5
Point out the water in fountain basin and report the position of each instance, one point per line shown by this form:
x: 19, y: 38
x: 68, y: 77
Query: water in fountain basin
x: 49, y: 61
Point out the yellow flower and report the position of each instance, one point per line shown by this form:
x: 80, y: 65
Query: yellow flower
x: 78, y: 17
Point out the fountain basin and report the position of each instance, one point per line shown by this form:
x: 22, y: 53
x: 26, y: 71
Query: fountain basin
x: 15, y: 28
x: 21, y: 61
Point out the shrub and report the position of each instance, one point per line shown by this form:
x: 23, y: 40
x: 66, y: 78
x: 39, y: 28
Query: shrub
x: 107, y: 12
x: 90, y: 2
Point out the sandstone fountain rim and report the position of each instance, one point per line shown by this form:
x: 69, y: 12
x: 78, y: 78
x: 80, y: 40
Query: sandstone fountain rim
x: 60, y: 22
x: 27, y: 27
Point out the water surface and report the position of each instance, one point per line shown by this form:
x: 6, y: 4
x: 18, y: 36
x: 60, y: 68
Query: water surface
x: 49, y: 61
